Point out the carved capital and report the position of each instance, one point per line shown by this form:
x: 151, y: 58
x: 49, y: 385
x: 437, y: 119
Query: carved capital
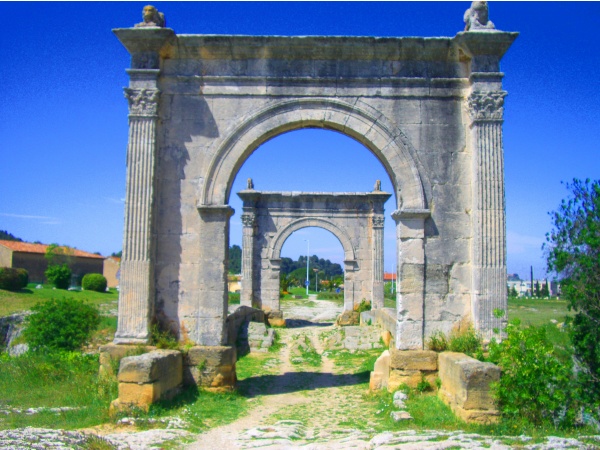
x: 248, y: 219
x: 377, y: 221
x: 486, y: 106
x: 142, y: 102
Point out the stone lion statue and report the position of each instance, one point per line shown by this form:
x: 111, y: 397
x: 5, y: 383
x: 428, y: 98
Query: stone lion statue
x: 476, y: 17
x: 152, y: 18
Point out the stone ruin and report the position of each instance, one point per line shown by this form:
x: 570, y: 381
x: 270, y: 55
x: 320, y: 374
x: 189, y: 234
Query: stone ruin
x: 430, y: 109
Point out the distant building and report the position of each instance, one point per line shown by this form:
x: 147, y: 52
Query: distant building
x: 523, y: 287
x: 31, y: 257
x: 234, y: 283
x: 389, y: 277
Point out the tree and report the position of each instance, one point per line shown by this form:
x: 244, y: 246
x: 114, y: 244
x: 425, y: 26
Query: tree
x: 59, y: 276
x: 545, y: 292
x: 235, y: 260
x: 513, y: 292
x: 574, y: 254
x: 6, y: 236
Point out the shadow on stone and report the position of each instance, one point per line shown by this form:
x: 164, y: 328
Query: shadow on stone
x: 301, y: 323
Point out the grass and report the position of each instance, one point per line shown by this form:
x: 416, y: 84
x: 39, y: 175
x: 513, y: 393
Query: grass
x: 537, y: 311
x: 60, y: 380
x: 201, y: 409
x: 12, y: 302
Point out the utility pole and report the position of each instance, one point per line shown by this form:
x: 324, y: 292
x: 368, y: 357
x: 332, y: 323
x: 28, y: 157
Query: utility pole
x: 307, y: 253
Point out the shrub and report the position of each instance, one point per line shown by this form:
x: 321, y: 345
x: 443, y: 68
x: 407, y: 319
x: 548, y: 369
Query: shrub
x: 437, y: 342
x: 535, y: 385
x: 163, y: 339
x: 364, y: 305
x: 94, y: 282
x: 65, y: 324
x: 11, y: 279
x: 59, y: 276
x: 24, y: 277
x: 464, y: 340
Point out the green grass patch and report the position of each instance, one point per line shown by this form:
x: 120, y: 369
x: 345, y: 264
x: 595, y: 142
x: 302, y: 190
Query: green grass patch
x: 358, y: 362
x: 537, y: 311
x: 201, y: 409
x: 12, y: 302
x: 57, y: 380
x: 256, y: 364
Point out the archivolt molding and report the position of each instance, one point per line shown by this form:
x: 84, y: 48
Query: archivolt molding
x: 278, y: 241
x: 359, y: 121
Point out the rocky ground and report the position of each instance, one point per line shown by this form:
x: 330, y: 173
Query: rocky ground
x: 306, y: 406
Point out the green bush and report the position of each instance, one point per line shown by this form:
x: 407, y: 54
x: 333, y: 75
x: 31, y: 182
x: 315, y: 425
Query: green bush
x: 465, y: 341
x: 24, y: 277
x: 322, y: 295
x: 94, y: 282
x: 13, y: 279
x: 59, y: 276
x: 65, y: 324
x: 535, y: 386
x: 364, y: 305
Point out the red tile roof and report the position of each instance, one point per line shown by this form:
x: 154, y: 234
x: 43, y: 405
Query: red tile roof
x: 387, y: 276
x: 26, y: 247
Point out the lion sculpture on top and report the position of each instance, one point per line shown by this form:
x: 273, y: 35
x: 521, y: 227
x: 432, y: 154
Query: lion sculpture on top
x: 477, y: 17
x: 152, y: 18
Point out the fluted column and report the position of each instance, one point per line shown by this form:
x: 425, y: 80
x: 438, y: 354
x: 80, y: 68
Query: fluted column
x: 248, y: 221
x: 489, y: 229
x: 377, y: 268
x: 136, y: 295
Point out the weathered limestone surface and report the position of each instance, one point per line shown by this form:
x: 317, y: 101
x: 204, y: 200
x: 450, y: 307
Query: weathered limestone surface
x: 212, y: 367
x: 353, y: 337
x: 147, y: 378
x: 466, y: 387
x: 430, y: 109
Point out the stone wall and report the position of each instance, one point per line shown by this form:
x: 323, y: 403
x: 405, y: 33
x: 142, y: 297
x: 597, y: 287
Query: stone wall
x: 430, y: 109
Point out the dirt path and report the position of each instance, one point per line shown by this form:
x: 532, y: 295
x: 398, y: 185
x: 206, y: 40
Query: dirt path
x: 226, y: 437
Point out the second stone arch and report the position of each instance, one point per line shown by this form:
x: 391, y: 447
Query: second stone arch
x: 355, y: 218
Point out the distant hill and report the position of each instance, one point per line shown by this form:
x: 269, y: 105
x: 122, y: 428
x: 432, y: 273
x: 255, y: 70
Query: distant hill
x: 6, y: 236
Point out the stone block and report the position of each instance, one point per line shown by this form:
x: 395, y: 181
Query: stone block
x: 398, y: 378
x: 381, y: 372
x: 213, y: 356
x: 413, y: 360
x: 466, y: 386
x: 158, y: 365
x: 409, y: 335
x: 114, y: 352
x: 348, y: 318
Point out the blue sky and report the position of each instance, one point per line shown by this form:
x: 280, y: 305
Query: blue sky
x: 63, y: 127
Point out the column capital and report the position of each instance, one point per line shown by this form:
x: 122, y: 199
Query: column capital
x: 377, y: 221
x: 248, y: 219
x: 142, y: 102
x: 483, y: 106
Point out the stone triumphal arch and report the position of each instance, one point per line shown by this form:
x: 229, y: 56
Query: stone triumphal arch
x: 355, y: 218
x: 430, y: 109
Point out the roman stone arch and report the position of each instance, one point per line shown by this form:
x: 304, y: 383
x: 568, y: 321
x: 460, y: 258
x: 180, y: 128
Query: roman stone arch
x: 430, y: 109
x: 269, y: 218
x: 275, y: 249
x: 358, y: 121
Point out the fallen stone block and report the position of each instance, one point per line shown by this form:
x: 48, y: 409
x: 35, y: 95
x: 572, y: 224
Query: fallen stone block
x: 148, y: 378
x: 466, y: 387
